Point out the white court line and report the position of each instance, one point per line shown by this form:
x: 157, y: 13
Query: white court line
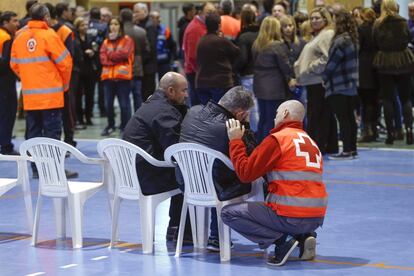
x: 36, y: 273
x: 68, y: 266
x: 99, y: 258
x: 127, y: 250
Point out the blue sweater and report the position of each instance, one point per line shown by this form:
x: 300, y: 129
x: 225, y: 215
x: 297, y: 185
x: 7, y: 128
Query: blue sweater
x: 341, y: 71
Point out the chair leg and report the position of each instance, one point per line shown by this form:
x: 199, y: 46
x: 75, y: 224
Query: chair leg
x: 181, y: 230
x: 60, y: 217
x: 115, y: 216
x: 194, y: 224
x: 224, y: 238
x: 29, y: 210
x: 147, y: 225
x: 76, y: 219
x: 36, y: 220
x: 202, y: 226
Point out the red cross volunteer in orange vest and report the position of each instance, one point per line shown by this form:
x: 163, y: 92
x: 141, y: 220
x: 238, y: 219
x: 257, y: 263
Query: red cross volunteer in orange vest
x: 296, y: 203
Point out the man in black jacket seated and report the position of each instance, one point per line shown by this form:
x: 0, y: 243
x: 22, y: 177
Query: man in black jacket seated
x: 206, y: 125
x: 154, y: 127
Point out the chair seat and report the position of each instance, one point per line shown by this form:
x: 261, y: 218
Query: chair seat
x: 76, y: 187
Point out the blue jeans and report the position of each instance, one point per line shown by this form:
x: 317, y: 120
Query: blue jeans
x: 214, y: 94
x: 44, y: 123
x: 247, y: 83
x: 121, y: 89
x: 267, y: 113
x: 136, y: 85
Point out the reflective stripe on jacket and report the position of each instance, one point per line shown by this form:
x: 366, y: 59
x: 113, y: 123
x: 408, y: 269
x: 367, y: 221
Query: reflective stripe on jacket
x: 296, y: 188
x: 43, y: 65
x: 117, y: 58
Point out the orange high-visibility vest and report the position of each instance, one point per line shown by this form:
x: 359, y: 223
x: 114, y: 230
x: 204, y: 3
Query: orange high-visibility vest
x: 43, y: 64
x: 296, y: 188
x: 122, y: 69
x: 4, y: 36
x: 64, y: 31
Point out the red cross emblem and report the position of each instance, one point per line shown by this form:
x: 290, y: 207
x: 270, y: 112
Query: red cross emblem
x: 307, y: 148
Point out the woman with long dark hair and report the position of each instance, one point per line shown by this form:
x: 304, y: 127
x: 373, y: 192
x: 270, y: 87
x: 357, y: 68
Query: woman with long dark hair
x: 341, y: 80
x: 117, y: 56
x: 395, y: 65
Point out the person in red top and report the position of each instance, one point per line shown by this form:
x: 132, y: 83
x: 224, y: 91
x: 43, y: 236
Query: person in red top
x: 297, y: 199
x: 117, y: 57
x: 193, y: 33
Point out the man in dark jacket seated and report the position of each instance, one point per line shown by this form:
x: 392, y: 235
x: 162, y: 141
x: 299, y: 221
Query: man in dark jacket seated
x: 206, y: 125
x: 154, y: 127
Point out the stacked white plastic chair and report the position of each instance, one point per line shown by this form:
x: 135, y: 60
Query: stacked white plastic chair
x: 49, y: 157
x: 196, y: 164
x: 122, y: 158
x: 22, y: 180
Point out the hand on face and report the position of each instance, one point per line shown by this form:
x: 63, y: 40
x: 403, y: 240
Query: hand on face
x: 235, y: 129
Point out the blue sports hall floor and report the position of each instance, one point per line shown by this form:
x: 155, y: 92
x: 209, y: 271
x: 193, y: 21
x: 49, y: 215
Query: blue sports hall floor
x: 369, y: 229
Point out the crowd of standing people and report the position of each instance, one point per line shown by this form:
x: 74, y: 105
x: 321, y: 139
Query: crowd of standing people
x: 345, y: 66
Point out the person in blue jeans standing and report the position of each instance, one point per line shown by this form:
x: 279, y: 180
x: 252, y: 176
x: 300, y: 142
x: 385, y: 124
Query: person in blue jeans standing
x: 117, y: 55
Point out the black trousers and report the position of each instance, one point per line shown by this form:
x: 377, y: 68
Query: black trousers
x: 148, y: 86
x: 86, y: 89
x: 388, y: 84
x: 69, y: 110
x: 342, y: 107
x: 369, y: 107
x: 321, y: 126
x: 8, y: 109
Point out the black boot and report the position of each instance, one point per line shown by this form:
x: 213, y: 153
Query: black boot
x: 390, y: 138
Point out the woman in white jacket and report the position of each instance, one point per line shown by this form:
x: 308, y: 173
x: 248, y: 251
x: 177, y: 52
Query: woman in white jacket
x: 308, y: 70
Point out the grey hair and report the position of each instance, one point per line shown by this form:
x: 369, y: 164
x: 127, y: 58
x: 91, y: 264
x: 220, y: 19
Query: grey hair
x: 237, y: 98
x: 39, y: 12
x: 141, y: 6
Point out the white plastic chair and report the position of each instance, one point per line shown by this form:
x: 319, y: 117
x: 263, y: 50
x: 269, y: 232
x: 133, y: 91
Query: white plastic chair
x: 196, y: 164
x: 22, y: 179
x: 122, y: 156
x: 49, y: 157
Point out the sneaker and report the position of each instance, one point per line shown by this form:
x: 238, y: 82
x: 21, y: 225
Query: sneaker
x: 107, y: 131
x: 308, y: 248
x: 282, y: 252
x: 341, y: 156
x: 213, y: 244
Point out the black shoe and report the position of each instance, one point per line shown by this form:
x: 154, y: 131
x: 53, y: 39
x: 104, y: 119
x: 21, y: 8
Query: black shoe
x: 389, y: 140
x: 89, y: 122
x: 399, y: 134
x: 71, y: 174
x: 107, y: 131
x: 282, y: 252
x: 307, y: 247
x: 341, y: 156
x: 354, y: 154
x: 213, y: 244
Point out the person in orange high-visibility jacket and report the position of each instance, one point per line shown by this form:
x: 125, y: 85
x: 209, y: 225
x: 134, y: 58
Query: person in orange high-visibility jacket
x: 296, y: 203
x: 44, y: 65
x: 117, y: 57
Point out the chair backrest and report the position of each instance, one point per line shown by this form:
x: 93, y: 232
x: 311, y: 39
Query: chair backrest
x: 122, y: 158
x: 196, y: 164
x: 49, y: 156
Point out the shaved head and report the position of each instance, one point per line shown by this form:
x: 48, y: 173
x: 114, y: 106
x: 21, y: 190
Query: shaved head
x: 174, y: 86
x: 290, y: 111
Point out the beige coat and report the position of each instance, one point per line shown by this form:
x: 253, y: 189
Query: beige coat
x: 312, y: 61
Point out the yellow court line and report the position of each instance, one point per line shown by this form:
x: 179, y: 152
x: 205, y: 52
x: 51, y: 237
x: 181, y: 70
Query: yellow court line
x: 334, y: 181
x: 379, y: 265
